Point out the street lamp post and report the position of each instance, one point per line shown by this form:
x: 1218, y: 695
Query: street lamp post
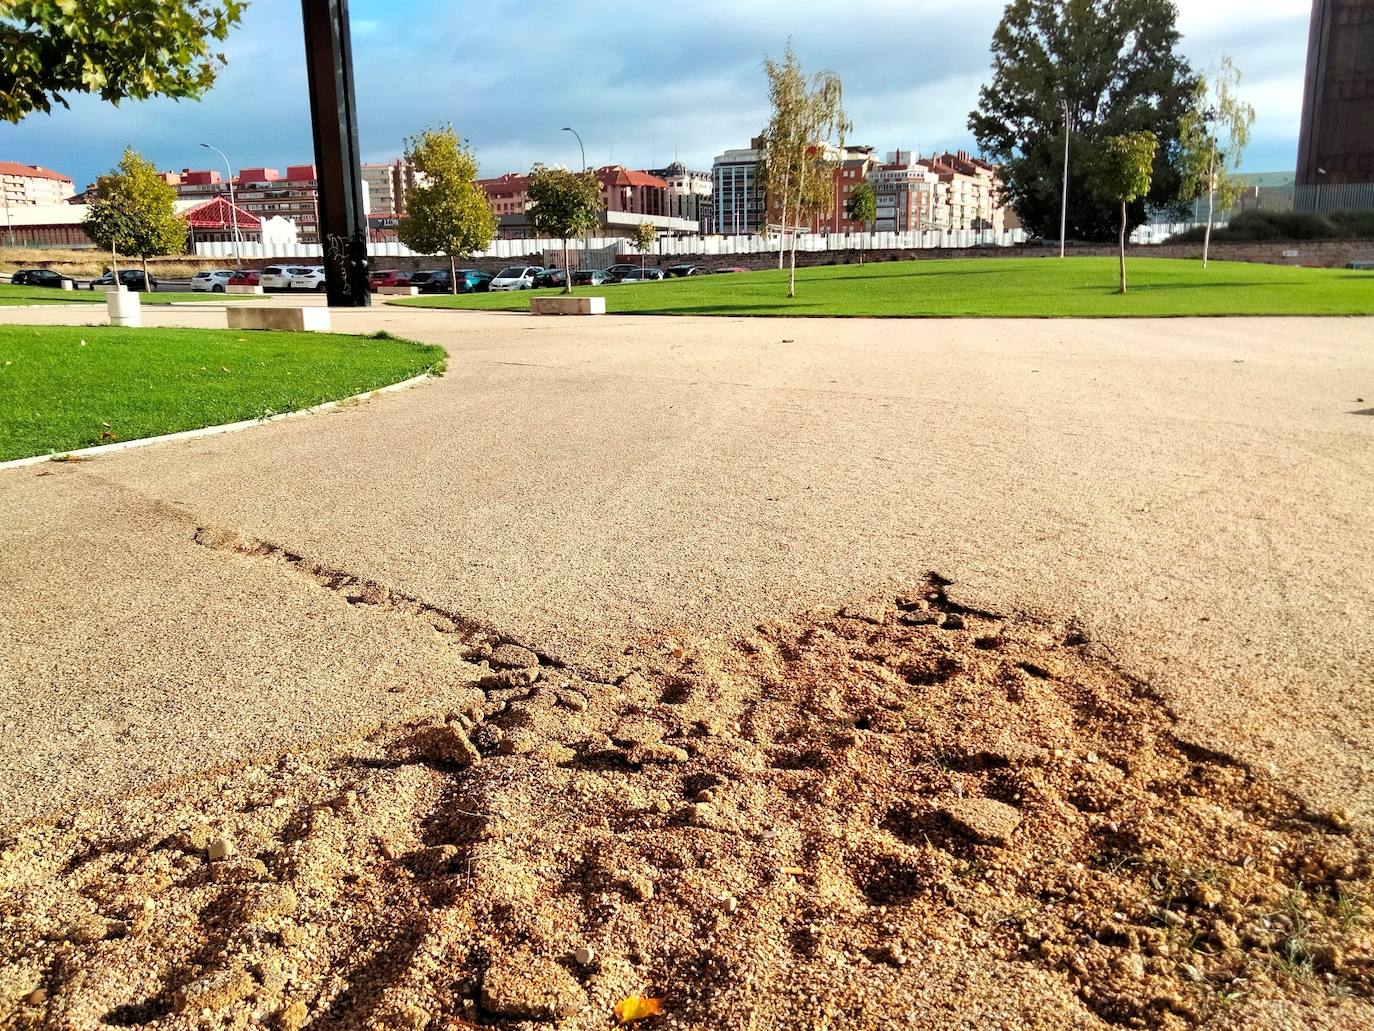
x: 233, y: 207
x: 586, y: 237
x: 1064, y: 193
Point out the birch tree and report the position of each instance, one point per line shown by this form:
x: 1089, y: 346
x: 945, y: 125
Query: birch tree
x: 1213, y: 135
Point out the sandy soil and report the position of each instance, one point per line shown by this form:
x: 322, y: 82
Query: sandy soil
x: 905, y: 814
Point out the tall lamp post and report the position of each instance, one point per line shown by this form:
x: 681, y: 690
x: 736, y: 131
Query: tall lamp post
x: 1064, y: 193
x: 586, y: 237
x: 233, y: 207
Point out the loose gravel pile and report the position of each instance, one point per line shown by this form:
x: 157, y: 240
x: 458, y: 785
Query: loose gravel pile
x: 903, y: 815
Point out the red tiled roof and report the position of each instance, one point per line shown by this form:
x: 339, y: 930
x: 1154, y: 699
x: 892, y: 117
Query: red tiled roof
x: 218, y: 214
x: 616, y: 175
x: 15, y: 168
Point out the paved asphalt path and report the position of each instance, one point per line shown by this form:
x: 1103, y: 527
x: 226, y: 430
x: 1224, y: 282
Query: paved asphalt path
x: 1199, y: 494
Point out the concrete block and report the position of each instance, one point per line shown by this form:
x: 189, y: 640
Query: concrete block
x: 124, y: 308
x: 242, y: 288
x: 243, y: 316
x: 67, y: 284
x: 565, y: 305
x: 399, y: 291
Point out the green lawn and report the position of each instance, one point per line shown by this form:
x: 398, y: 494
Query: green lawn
x: 11, y: 295
x: 63, y: 387
x: 1007, y: 287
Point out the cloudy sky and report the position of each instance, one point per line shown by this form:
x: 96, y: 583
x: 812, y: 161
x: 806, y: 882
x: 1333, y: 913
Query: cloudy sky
x: 642, y: 83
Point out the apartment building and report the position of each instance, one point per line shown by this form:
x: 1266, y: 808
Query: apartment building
x: 970, y: 191
x: 908, y: 195
x: 739, y: 201
x: 689, y: 194
x: 31, y: 185
x: 264, y: 192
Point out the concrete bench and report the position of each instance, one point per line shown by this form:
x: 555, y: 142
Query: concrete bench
x: 567, y: 305
x: 399, y: 291
x: 244, y: 316
x: 242, y: 288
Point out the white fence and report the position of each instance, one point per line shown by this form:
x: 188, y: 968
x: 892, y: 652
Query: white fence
x: 708, y: 246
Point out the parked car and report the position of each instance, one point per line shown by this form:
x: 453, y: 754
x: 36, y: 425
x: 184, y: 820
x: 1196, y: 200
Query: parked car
x: 132, y: 278
x: 643, y: 275
x: 245, y: 277
x: 588, y: 277
x: 474, y: 281
x: 678, y: 271
x: 551, y: 277
x: 731, y: 268
x: 616, y: 273
x: 431, y: 281
x: 388, y: 277
x: 41, y: 277
x: 516, y: 277
x: 306, y: 277
x: 275, y: 277
x: 211, y: 280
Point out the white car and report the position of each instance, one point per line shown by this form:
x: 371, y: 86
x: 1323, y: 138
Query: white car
x: 306, y: 277
x: 517, y: 277
x: 276, y: 277
x: 211, y: 281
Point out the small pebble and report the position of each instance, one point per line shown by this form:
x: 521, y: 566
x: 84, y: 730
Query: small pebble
x: 584, y: 955
x: 729, y: 903
x: 219, y: 848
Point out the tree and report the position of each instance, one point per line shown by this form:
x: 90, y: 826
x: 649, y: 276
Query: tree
x: 134, y: 212
x: 1212, y: 139
x: 564, y: 204
x: 446, y: 211
x: 862, y: 207
x: 1121, y: 172
x: 645, y: 235
x: 118, y: 49
x: 796, y: 168
x: 1116, y: 64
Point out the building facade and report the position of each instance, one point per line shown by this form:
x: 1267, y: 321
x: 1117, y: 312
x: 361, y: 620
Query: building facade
x: 689, y: 194
x: 968, y: 194
x: 738, y: 199
x: 1336, y: 137
x: 388, y: 185
x: 31, y: 185
x: 263, y: 192
x: 907, y: 195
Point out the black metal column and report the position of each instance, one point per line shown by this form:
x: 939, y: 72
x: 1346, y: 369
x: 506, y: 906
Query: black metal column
x: 334, y: 118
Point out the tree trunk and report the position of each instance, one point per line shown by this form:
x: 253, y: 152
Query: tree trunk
x: 145, y: 272
x: 1211, y: 200
x: 453, y: 275
x: 792, y: 275
x: 114, y: 263
x: 567, y: 270
x: 782, y: 229
x: 1122, y: 244
x: 861, y: 246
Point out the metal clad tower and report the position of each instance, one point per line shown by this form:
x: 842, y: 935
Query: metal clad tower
x: 1336, y: 142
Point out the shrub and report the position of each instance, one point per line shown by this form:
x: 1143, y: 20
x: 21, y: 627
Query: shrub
x: 1250, y: 226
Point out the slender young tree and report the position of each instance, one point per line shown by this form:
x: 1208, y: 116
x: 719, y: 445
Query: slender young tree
x: 645, y: 235
x: 1212, y: 139
x: 1118, y: 66
x: 564, y: 204
x: 1121, y: 172
x: 134, y: 212
x: 114, y: 48
x: 446, y: 212
x: 862, y: 207
x: 797, y: 167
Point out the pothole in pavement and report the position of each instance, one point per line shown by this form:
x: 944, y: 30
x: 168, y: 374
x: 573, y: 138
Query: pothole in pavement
x: 907, y: 815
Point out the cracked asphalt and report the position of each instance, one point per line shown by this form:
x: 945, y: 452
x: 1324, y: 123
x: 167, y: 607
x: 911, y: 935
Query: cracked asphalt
x: 1198, y: 494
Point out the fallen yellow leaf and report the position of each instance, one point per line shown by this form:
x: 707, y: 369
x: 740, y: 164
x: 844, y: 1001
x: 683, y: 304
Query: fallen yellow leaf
x: 637, y: 1007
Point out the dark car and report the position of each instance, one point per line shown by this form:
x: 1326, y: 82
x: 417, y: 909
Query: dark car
x: 431, y: 281
x: 678, y: 271
x: 131, y: 278
x: 588, y: 277
x: 551, y: 277
x: 731, y: 268
x: 41, y: 277
x: 643, y: 275
x: 616, y: 273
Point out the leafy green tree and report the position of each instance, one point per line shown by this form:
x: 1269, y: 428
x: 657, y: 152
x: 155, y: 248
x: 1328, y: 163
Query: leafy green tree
x: 564, y: 204
x: 645, y: 235
x: 117, y: 49
x: 1212, y: 139
x: 1121, y: 171
x: 1115, y: 64
x: 134, y: 212
x: 807, y: 114
x: 446, y: 212
x: 862, y: 207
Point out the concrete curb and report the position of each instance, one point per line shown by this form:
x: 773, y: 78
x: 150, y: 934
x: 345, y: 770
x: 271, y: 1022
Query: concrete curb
x: 206, y: 431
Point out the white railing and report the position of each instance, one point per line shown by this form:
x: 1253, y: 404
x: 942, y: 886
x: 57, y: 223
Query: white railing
x: 705, y: 246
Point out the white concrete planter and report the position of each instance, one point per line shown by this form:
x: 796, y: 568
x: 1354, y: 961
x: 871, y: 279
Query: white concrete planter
x: 399, y: 291
x: 124, y: 307
x: 242, y: 289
